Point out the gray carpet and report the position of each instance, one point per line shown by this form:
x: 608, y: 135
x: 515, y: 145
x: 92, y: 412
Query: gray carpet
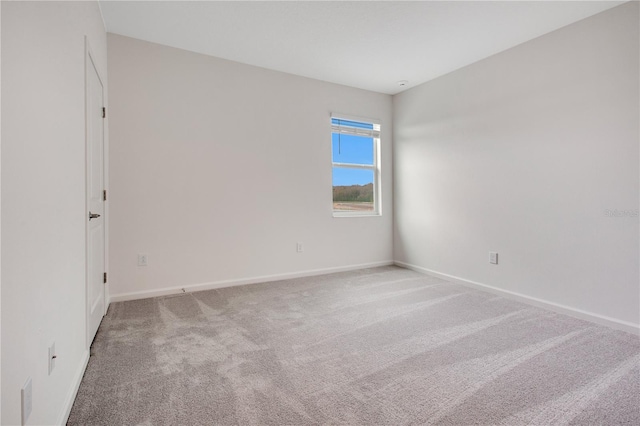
x: 382, y: 346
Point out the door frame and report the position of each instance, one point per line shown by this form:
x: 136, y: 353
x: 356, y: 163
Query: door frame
x: 90, y: 62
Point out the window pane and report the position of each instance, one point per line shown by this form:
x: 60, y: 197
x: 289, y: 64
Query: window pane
x: 352, y: 149
x: 352, y: 189
x: 341, y: 122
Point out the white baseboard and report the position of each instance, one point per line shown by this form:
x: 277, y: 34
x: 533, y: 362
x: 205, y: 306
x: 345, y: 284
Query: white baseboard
x: 541, y: 303
x: 71, y: 396
x: 241, y: 281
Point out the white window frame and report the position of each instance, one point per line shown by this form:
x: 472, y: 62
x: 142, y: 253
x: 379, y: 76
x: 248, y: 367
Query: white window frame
x: 375, y: 167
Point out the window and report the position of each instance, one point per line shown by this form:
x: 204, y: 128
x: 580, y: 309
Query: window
x: 356, y: 167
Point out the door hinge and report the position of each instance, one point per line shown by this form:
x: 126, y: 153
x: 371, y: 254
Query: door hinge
x: 104, y: 112
x: 104, y: 195
x: 104, y: 281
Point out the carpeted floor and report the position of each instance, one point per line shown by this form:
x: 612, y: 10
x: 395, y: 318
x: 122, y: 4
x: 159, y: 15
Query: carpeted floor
x: 382, y: 346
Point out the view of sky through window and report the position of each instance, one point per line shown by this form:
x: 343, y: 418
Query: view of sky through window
x: 354, y: 150
x: 347, y: 177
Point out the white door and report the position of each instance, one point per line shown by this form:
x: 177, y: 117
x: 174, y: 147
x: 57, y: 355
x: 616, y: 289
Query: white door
x: 96, y: 276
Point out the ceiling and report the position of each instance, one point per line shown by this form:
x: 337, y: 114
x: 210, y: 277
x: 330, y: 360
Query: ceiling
x: 366, y: 44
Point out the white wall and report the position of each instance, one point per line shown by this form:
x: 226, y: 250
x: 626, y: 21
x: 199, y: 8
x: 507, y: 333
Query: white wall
x: 43, y: 200
x: 219, y: 168
x: 522, y: 153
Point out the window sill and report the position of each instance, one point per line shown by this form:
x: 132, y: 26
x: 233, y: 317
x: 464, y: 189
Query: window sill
x: 356, y: 214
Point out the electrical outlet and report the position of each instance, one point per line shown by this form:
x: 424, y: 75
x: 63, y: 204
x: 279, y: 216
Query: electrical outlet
x: 142, y: 260
x: 26, y: 397
x: 52, y: 357
x: 493, y: 257
x: 299, y: 247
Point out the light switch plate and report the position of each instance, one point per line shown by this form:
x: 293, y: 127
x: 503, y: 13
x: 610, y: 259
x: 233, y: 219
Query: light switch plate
x: 493, y: 257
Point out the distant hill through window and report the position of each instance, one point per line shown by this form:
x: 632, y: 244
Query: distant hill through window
x: 353, y: 197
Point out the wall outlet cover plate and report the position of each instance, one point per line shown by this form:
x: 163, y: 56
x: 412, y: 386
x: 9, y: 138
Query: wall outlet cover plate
x: 52, y: 358
x: 26, y: 397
